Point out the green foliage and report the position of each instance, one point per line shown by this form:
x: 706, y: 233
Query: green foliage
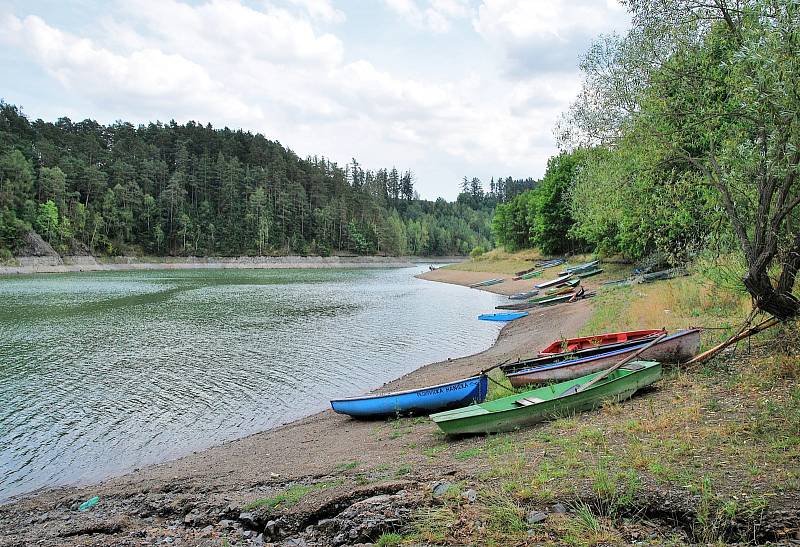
x: 11, y: 229
x: 477, y: 251
x: 698, y: 107
x: 285, y: 499
x: 389, y: 540
x: 542, y: 217
x: 47, y: 220
x: 190, y: 189
x: 624, y: 200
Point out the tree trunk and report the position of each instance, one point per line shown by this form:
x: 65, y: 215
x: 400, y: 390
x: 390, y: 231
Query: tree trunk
x: 780, y: 304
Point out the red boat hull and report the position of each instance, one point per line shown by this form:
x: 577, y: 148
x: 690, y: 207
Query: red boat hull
x: 575, y: 344
x: 676, y: 348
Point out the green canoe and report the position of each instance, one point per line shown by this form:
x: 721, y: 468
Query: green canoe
x: 524, y: 409
x: 590, y: 273
x: 531, y: 275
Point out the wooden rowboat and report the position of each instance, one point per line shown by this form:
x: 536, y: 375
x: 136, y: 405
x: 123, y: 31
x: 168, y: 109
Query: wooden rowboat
x: 517, y: 306
x: 529, y: 275
x: 568, y: 283
x: 550, y: 263
x: 589, y: 273
x: 523, y: 272
x: 581, y: 267
x: 523, y: 364
x: 553, y: 282
x: 676, y: 348
x: 523, y: 295
x: 415, y: 401
x: 487, y: 283
x: 561, y: 289
x: 560, y: 299
x: 531, y: 407
x: 595, y: 340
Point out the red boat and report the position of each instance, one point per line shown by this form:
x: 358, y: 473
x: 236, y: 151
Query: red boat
x: 575, y: 344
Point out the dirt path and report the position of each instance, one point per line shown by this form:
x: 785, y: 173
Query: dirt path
x: 148, y: 503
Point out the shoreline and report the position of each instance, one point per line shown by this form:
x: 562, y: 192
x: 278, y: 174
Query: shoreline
x: 74, y: 264
x: 235, y: 473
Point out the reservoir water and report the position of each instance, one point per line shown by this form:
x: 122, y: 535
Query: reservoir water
x: 101, y: 373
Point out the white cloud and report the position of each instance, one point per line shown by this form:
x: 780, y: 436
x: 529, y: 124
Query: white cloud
x: 322, y: 10
x: 434, y: 15
x: 227, y: 30
x: 270, y: 70
x: 146, y: 76
x: 535, y: 37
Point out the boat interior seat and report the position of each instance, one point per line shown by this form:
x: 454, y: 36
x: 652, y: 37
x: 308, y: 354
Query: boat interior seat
x: 528, y: 401
x: 632, y: 366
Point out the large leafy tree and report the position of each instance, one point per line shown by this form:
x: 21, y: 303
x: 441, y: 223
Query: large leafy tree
x: 542, y: 217
x: 713, y: 86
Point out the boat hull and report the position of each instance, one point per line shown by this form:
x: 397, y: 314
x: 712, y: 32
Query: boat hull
x: 523, y: 295
x: 502, y: 316
x: 677, y: 348
x: 487, y: 283
x: 589, y: 273
x: 584, y: 342
x: 581, y: 267
x: 507, y: 414
x: 553, y: 282
x: 416, y: 401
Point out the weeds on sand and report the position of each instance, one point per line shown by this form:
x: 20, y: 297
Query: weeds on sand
x: 290, y: 496
x: 346, y: 466
x: 389, y: 540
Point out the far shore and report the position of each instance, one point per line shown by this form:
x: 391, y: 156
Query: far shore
x: 69, y: 264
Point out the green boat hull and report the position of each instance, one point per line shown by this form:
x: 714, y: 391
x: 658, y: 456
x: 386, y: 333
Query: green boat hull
x: 507, y: 414
x: 590, y: 273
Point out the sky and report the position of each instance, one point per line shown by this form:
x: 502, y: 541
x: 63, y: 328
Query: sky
x: 446, y: 88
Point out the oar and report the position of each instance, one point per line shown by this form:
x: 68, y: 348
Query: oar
x: 581, y: 387
x: 485, y: 372
x: 495, y: 366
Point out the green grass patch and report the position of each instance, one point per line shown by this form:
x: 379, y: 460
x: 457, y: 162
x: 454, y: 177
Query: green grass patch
x: 467, y: 454
x: 403, y: 470
x: 290, y: 496
x: 389, y: 540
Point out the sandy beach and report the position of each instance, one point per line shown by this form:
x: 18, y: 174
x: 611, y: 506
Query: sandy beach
x: 68, y: 264
x: 172, y: 499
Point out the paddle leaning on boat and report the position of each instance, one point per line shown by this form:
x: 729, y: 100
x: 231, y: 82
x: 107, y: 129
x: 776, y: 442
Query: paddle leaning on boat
x: 675, y: 348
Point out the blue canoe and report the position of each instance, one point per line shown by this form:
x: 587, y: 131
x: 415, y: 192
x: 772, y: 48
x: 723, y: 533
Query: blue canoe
x: 415, y: 401
x: 502, y: 316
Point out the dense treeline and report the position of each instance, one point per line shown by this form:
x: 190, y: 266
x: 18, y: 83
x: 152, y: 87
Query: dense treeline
x: 500, y: 191
x: 192, y: 189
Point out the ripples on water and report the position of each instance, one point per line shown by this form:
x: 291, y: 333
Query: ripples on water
x: 104, y: 372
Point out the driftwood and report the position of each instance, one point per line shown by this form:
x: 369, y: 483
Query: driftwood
x: 764, y: 325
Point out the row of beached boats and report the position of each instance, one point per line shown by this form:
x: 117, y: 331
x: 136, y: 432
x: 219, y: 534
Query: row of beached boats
x: 564, y: 288
x: 566, y: 376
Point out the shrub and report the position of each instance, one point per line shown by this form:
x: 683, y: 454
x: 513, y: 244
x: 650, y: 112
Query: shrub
x: 477, y: 251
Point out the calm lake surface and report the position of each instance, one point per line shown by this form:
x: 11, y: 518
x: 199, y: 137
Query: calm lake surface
x: 104, y: 372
